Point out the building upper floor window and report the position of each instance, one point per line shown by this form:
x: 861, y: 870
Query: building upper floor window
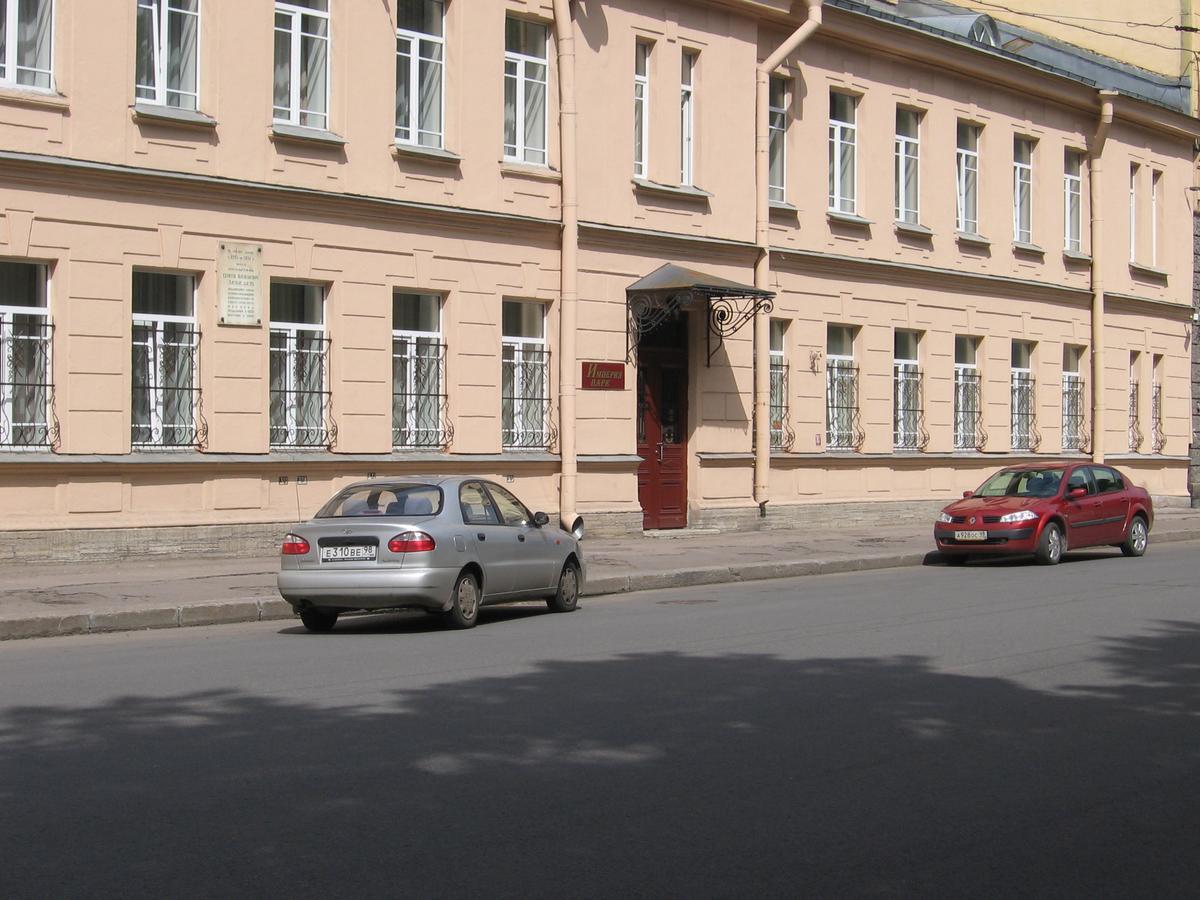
x: 525, y: 376
x: 967, y: 178
x: 26, y: 43
x: 1023, y: 190
x: 420, y: 68
x: 687, y: 116
x: 641, y: 108
x: 1133, y: 178
x: 168, y: 42
x: 26, y: 388
x: 299, y: 366
x: 1073, y: 201
x: 526, y: 72
x: 165, y: 343
x: 908, y: 162
x: 418, y: 371
x: 1155, y: 209
x: 777, y: 99
x: 842, y: 152
x: 301, y: 94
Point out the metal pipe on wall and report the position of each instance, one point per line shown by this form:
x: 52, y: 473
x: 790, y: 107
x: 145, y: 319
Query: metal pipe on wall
x: 1095, y: 173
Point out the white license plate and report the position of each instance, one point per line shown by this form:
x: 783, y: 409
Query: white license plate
x: 355, y: 553
x: 971, y: 535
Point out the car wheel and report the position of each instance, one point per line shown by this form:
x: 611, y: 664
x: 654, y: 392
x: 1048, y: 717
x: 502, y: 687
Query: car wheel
x: 1050, y: 545
x: 464, y: 602
x: 567, y: 596
x: 956, y: 559
x: 1137, y: 539
x: 319, y: 620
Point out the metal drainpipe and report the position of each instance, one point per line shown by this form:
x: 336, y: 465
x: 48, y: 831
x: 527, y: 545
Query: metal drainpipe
x: 1095, y: 172
x: 762, y: 265
x: 564, y: 31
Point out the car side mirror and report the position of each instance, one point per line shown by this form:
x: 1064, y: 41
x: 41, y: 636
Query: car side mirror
x: 968, y: 495
x: 540, y: 519
x: 1076, y: 492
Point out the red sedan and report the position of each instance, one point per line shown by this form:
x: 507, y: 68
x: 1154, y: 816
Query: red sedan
x: 1046, y: 509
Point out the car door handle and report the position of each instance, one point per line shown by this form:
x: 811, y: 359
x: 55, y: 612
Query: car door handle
x: 481, y: 536
x: 521, y: 538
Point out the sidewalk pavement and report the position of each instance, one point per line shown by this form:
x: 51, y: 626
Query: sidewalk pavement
x: 85, y: 598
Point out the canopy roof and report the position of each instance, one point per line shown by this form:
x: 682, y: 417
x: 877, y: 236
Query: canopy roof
x: 671, y: 278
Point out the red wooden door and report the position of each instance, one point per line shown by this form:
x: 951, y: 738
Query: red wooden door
x: 662, y: 436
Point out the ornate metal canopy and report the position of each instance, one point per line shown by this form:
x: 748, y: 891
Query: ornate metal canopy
x: 670, y: 289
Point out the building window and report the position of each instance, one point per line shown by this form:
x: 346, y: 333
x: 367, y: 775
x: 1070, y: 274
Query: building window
x: 168, y: 41
x: 641, y: 108
x: 842, y: 137
x: 780, y: 433
x: 26, y: 42
x: 525, y: 376
x: 418, y: 371
x: 968, y: 406
x: 1158, y: 436
x: 1074, y: 407
x: 777, y: 99
x: 420, y: 64
x: 907, y: 407
x: 967, y: 179
x: 841, y: 390
x: 908, y: 164
x: 1023, y: 190
x: 1135, y: 420
x: 687, y: 116
x: 1155, y: 208
x: 1024, y: 400
x: 1133, y: 173
x: 525, y: 79
x: 302, y: 63
x: 1073, y: 201
x: 26, y: 388
x: 299, y: 366
x: 166, y: 389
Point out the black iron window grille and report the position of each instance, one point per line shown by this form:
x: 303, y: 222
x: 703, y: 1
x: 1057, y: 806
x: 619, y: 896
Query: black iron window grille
x: 419, y: 401
x: 300, y: 389
x: 1024, y: 411
x: 26, y: 382
x: 525, y: 395
x: 842, y: 430
x: 908, y: 408
x: 1135, y: 426
x: 1158, y: 435
x: 968, y: 410
x: 166, y: 388
x: 782, y: 436
x: 1074, y: 412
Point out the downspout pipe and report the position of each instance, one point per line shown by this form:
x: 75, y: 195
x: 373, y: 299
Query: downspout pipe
x: 1095, y: 199
x: 762, y: 237
x: 564, y: 32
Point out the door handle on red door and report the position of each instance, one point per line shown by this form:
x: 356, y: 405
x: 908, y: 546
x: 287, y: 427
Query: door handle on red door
x: 661, y: 444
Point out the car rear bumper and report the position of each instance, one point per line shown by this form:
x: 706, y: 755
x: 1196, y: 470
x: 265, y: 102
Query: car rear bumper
x: 999, y: 541
x: 366, y: 589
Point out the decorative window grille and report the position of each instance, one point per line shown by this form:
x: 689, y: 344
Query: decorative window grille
x: 777, y: 124
x: 841, y: 390
x: 908, y: 164
x: 1158, y: 436
x: 968, y: 405
x: 842, y: 153
x: 641, y: 108
x: 1074, y: 404
x: 525, y: 377
x: 301, y: 89
x: 26, y: 43
x: 166, y: 389
x: 1073, y: 201
x: 687, y: 116
x: 967, y: 179
x: 299, y: 403
x: 420, y: 67
x: 1135, y: 425
x: 168, y: 45
x: 781, y: 434
x: 1023, y: 190
x: 418, y: 372
x: 26, y: 382
x: 525, y: 79
x: 907, y: 407
x: 1023, y: 398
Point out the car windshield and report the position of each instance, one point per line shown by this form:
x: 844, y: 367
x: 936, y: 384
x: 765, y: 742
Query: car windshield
x: 384, y: 500
x: 1022, y: 483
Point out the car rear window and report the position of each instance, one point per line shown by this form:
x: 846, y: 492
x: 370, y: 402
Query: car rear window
x: 384, y: 500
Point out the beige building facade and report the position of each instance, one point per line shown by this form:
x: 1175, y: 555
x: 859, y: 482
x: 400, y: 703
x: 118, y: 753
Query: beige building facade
x: 250, y: 252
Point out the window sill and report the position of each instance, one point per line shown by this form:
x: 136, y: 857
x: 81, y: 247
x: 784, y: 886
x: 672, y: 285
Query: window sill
x: 281, y: 131
x: 151, y: 112
x: 843, y: 218
x: 973, y: 240
x: 1031, y: 249
x: 31, y: 96
x: 428, y: 154
x: 913, y: 229
x: 1146, y: 270
x: 683, y: 191
x: 529, y: 170
x: 782, y: 206
x: 1076, y: 256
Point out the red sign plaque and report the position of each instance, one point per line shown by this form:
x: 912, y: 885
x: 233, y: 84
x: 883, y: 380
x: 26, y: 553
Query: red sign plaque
x: 602, y: 376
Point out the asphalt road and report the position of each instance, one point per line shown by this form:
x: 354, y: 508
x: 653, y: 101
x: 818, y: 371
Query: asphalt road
x: 999, y: 730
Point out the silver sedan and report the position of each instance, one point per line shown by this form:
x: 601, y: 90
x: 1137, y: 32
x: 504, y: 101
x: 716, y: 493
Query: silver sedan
x: 445, y: 544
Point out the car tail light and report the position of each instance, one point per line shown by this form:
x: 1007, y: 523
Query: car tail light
x: 411, y: 542
x: 294, y: 545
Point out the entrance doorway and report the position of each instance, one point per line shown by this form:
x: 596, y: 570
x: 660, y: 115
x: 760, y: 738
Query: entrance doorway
x: 662, y: 385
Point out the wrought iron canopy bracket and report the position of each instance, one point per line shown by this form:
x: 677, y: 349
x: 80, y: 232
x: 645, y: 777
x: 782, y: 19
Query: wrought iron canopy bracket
x: 725, y: 314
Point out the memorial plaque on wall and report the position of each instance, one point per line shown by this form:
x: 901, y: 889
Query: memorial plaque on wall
x: 240, y: 272
x: 602, y: 376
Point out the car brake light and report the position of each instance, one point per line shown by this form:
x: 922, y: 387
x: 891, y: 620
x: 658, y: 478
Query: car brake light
x: 294, y: 545
x: 411, y: 542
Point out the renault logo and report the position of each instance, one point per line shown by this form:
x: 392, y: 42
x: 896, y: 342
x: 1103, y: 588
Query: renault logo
x: 972, y: 522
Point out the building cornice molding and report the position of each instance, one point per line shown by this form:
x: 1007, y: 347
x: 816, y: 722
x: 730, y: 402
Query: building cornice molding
x: 1161, y: 308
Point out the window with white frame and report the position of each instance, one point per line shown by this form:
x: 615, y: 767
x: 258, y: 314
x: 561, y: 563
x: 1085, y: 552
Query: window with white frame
x: 168, y: 53
x: 687, y: 116
x: 908, y: 164
x: 641, y: 108
x: 26, y: 379
x: 1158, y: 434
x: 1133, y: 176
x: 165, y: 345
x: 1022, y: 190
x: 526, y: 71
x: 842, y: 151
x: 1135, y: 418
x: 968, y: 405
x: 26, y: 43
x: 777, y: 101
x: 1155, y: 207
x: 1073, y: 201
x: 418, y: 371
x: 779, y: 384
x: 301, y: 91
x: 1023, y: 398
x: 907, y: 411
x: 1073, y: 401
x: 299, y: 366
x: 420, y: 69
x: 967, y: 179
x: 525, y: 376
x: 841, y: 389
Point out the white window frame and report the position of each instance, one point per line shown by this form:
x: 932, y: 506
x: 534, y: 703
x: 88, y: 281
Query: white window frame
x: 908, y: 157
x: 964, y: 373
x: 520, y: 151
x: 414, y: 337
x: 1018, y: 384
x: 416, y: 40
x: 843, y: 135
x: 6, y: 362
x: 293, y: 330
x: 1072, y: 383
x: 838, y: 437
x: 967, y: 160
x: 295, y: 114
x: 1135, y: 406
x: 158, y: 322
x: 687, y: 116
x: 160, y: 49
x: 906, y: 434
x: 1023, y: 202
x: 641, y: 108
x: 10, y: 11
x: 1073, y: 213
x: 1133, y: 174
x: 777, y: 139
x: 522, y: 438
x: 779, y: 381
x: 1155, y: 185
